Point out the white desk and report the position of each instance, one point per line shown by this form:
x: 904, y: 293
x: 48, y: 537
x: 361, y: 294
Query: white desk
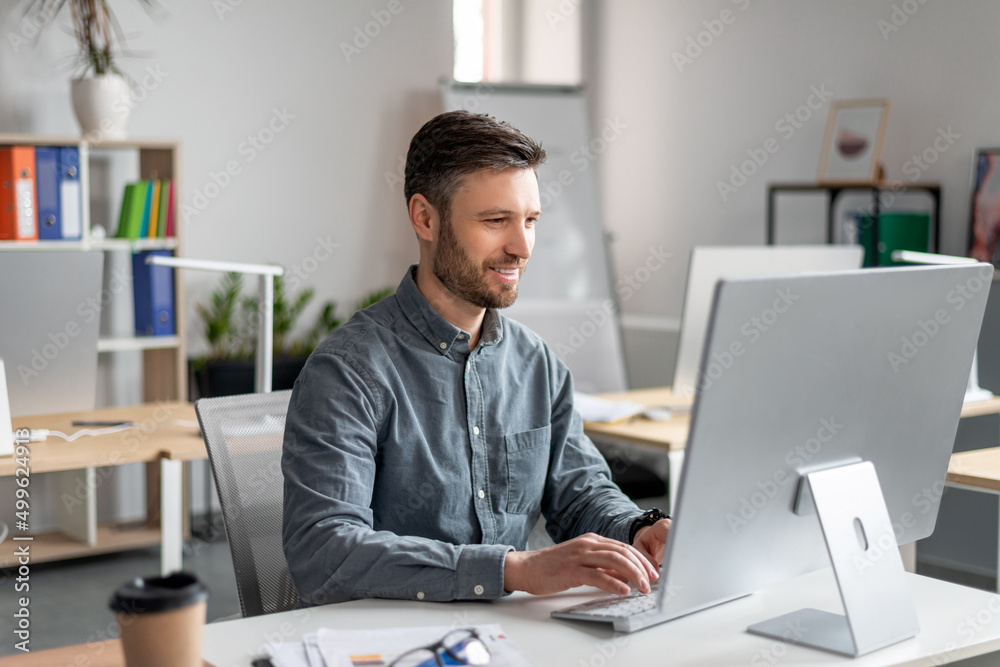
x: 956, y: 623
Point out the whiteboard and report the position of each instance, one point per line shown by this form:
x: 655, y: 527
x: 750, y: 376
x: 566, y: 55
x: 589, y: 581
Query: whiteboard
x: 570, y: 263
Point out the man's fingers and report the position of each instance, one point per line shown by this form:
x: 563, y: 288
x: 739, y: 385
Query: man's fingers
x: 622, y: 562
x: 604, y: 581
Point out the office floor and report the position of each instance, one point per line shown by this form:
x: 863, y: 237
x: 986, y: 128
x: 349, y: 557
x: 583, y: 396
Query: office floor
x: 69, y: 600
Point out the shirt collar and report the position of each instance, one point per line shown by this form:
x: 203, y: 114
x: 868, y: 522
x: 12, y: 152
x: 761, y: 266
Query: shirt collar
x: 439, y: 332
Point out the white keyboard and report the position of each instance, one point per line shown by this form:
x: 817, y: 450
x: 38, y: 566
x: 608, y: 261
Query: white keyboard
x: 615, y: 606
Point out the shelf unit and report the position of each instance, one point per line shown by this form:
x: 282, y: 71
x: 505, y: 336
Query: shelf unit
x: 164, y: 364
x: 833, y: 192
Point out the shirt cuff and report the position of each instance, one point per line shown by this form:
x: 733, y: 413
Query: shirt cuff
x: 480, y: 572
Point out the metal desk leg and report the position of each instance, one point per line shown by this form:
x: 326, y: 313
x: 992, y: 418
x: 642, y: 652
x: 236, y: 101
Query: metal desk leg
x: 171, y: 515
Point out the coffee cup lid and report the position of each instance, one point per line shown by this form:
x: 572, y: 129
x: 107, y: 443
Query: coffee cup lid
x: 153, y: 594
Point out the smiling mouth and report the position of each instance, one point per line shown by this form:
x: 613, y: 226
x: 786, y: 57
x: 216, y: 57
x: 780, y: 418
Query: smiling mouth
x: 507, y: 274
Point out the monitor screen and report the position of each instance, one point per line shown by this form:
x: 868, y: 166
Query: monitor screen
x: 710, y: 263
x: 866, y: 366
x: 50, y: 315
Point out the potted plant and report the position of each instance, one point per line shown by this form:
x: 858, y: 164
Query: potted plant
x: 230, y: 327
x: 100, y: 91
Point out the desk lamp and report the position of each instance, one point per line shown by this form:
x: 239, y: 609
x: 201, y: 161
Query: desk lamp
x: 265, y: 305
x: 973, y: 392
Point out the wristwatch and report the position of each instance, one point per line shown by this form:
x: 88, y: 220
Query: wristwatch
x: 647, y: 518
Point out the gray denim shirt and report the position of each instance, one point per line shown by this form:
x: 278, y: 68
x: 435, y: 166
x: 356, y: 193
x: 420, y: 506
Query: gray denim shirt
x: 412, y: 466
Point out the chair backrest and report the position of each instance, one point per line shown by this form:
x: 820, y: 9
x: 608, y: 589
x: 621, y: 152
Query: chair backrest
x: 244, y: 435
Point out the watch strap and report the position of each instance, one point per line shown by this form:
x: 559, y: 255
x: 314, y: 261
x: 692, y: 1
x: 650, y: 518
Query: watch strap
x: 647, y: 518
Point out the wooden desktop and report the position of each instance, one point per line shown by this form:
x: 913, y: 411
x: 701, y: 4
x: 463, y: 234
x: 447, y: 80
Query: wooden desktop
x: 158, y: 441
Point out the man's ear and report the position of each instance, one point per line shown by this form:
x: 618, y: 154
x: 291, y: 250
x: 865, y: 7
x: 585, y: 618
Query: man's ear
x: 423, y: 217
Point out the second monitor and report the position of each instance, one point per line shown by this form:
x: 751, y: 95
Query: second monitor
x: 710, y: 263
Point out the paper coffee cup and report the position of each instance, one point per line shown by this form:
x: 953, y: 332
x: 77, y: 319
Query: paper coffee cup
x: 161, y: 620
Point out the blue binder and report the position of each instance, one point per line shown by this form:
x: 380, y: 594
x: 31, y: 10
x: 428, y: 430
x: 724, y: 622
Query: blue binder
x: 70, y: 198
x: 47, y: 190
x: 153, y: 291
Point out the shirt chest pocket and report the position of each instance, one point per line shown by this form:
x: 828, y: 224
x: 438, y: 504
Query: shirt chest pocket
x: 527, y: 468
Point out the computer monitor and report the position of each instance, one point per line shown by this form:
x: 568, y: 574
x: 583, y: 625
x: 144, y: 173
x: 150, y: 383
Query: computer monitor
x: 821, y: 435
x: 50, y: 316
x: 710, y: 263
x: 858, y: 375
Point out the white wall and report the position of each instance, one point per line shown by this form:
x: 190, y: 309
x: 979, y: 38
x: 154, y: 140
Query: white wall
x: 224, y: 73
x: 684, y: 128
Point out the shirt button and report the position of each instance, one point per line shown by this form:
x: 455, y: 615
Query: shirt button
x: 443, y: 346
x: 481, y: 494
x: 420, y: 595
x: 478, y: 590
x: 461, y: 336
x: 475, y: 430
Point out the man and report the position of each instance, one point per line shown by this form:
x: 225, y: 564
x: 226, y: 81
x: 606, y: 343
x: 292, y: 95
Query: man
x: 426, y: 435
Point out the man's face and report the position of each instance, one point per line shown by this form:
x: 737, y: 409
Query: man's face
x: 482, y: 251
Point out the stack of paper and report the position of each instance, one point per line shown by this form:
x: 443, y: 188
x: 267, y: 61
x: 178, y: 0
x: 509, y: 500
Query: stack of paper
x: 357, y: 648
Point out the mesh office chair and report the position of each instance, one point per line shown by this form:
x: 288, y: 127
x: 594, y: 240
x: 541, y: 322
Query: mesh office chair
x: 243, y: 435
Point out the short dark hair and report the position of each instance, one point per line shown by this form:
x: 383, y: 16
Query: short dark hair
x: 457, y: 143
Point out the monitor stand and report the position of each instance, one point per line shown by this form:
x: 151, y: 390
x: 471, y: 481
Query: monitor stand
x: 879, y: 609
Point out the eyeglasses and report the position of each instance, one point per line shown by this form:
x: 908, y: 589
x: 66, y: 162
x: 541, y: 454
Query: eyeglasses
x: 459, y: 647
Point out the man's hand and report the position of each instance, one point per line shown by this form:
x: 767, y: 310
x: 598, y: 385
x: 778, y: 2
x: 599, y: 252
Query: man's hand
x: 587, y: 560
x: 650, y: 541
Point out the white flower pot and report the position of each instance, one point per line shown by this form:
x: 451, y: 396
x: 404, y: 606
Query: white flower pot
x: 102, y: 105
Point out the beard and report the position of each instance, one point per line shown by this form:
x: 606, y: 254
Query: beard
x: 467, y: 280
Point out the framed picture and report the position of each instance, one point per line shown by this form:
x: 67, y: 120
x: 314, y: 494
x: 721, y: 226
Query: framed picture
x: 984, y: 213
x: 853, y: 142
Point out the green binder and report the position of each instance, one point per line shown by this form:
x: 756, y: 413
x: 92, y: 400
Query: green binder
x: 896, y: 231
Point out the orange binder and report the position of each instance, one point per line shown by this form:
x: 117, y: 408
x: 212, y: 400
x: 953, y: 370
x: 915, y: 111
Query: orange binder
x: 18, y: 220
